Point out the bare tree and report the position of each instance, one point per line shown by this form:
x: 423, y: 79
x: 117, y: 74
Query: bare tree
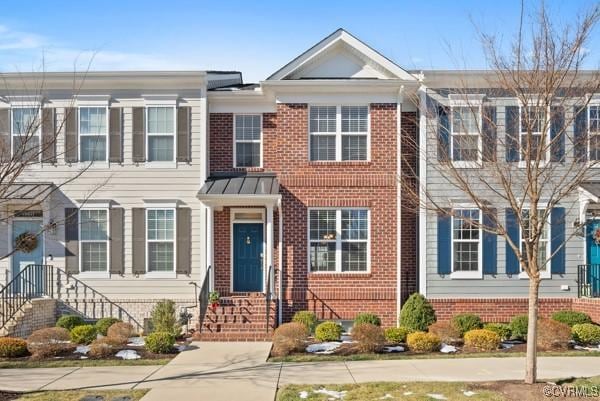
x: 529, y: 162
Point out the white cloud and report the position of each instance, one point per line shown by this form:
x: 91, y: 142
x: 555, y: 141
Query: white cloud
x: 15, y: 40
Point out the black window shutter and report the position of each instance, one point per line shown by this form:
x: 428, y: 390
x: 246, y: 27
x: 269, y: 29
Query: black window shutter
x: 183, y: 134
x: 512, y: 231
x: 71, y: 132
x: 115, y: 152
x: 184, y: 240
x: 48, y: 135
x: 139, y: 135
x: 117, y: 265
x: 557, y: 241
x: 139, y: 240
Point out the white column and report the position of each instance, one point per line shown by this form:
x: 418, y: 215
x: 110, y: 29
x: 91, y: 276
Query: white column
x: 210, y: 245
x: 269, y: 245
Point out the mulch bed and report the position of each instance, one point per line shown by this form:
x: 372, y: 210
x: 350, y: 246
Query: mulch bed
x: 6, y: 396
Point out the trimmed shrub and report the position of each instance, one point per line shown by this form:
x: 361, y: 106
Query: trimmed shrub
x: 160, y: 342
x: 120, y: 332
x: 482, y: 340
x: 553, y: 334
x: 367, y: 317
x: 445, y: 331
x: 69, y: 321
x: 307, y: 318
x: 502, y: 329
x: 12, y: 347
x: 586, y: 333
x: 464, y: 322
x: 518, y: 327
x: 328, y: 331
x: 571, y: 318
x: 369, y: 337
x: 164, y: 318
x: 396, y: 335
x: 103, y: 347
x: 420, y: 341
x: 83, y: 334
x: 288, y: 338
x: 417, y: 313
x: 51, y: 341
x: 103, y: 324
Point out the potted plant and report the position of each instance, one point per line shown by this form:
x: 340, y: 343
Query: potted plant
x: 213, y: 298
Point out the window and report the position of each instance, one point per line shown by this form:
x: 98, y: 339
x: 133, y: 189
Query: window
x: 26, y: 133
x: 248, y: 140
x: 594, y: 134
x: 93, y: 240
x: 533, y: 121
x: 339, y: 240
x: 544, y: 247
x: 93, y: 132
x: 160, y: 225
x: 160, y: 134
x: 466, y: 242
x: 466, y: 142
x: 339, y: 133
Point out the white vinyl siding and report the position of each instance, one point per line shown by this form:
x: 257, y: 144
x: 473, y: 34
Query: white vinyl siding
x: 160, y: 130
x: 466, y: 243
x: 594, y: 131
x: 93, y: 242
x: 93, y: 134
x: 466, y: 139
x: 160, y: 236
x: 248, y: 140
x: 26, y: 127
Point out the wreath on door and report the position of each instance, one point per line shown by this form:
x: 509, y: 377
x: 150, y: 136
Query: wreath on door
x: 596, y: 236
x: 26, y: 242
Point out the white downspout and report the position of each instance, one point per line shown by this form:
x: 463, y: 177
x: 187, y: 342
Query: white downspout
x: 422, y: 247
x: 280, y: 258
x: 399, y: 204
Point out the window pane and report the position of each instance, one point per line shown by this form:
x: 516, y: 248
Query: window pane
x: 355, y: 224
x: 94, y: 225
x: 322, y: 147
x: 322, y: 256
x: 532, y: 119
x: 595, y: 119
x: 355, y: 118
x: 93, y: 148
x: 26, y: 147
x: 322, y: 225
x: 161, y: 224
x: 465, y: 120
x: 25, y: 121
x: 354, y: 256
x: 93, y: 256
x: 160, y: 148
x: 161, y: 120
x: 354, y: 147
x: 463, y: 228
x: 247, y: 154
x: 322, y: 118
x: 594, y: 147
x: 247, y: 127
x: 465, y: 147
x: 536, y: 142
x: 160, y: 256
x: 466, y: 256
x: 92, y: 120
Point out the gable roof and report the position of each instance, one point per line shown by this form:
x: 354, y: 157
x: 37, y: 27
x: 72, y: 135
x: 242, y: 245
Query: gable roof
x: 342, y: 44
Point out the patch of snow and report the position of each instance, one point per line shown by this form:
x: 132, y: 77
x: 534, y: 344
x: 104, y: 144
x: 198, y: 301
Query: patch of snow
x: 346, y: 338
x: 335, y: 395
x: 181, y: 347
x: 514, y: 342
x: 303, y: 394
x: 437, y: 396
x: 387, y: 396
x: 408, y: 392
x: 136, y: 342
x: 506, y: 345
x: 128, y: 354
x: 83, y: 357
x: 397, y: 348
x: 447, y: 349
x: 82, y: 349
x: 469, y: 393
x: 323, y: 348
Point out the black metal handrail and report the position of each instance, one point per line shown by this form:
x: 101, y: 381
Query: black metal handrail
x: 268, y: 295
x: 204, y: 296
x: 588, y: 281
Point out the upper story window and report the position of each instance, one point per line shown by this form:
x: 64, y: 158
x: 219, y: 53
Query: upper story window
x: 544, y: 250
x: 594, y: 131
x: 532, y: 124
x: 466, y: 243
x: 466, y: 139
x: 93, y: 240
x: 93, y: 134
x: 26, y: 133
x: 160, y: 146
x: 248, y: 140
x: 339, y: 133
x: 160, y: 238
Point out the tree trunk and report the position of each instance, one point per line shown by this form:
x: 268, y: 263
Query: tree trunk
x: 531, y: 359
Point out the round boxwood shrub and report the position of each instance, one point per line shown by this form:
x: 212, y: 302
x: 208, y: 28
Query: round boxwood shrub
x: 103, y: 324
x: 367, y: 317
x: 502, y: 329
x: 586, y: 333
x: 417, y: 313
x: 464, y: 322
x: 571, y: 317
x: 420, y: 341
x: 396, y: 335
x: 328, y: 331
x: 482, y: 340
x: 160, y: 342
x: 70, y: 321
x: 307, y: 318
x: 84, y: 334
x: 12, y: 347
x: 518, y: 327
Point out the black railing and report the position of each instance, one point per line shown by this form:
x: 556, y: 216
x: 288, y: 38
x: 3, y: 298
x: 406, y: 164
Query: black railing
x: 588, y: 281
x: 269, y: 294
x: 34, y: 281
x: 204, y: 296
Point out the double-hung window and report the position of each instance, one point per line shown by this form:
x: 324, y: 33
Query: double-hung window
x: 544, y: 250
x: 160, y: 237
x: 248, y: 133
x: 93, y: 240
x: 466, y: 139
x: 93, y: 134
x: 466, y: 243
x: 160, y: 130
x: 26, y: 129
x: 533, y: 133
x: 594, y: 131
x: 339, y: 133
x: 339, y: 240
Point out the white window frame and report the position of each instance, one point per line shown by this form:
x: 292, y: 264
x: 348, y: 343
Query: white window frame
x: 39, y: 128
x: 94, y: 274
x: 161, y: 274
x: 339, y: 134
x: 173, y: 134
x: 477, y: 274
x: 548, y: 272
x: 521, y: 133
x: 339, y: 241
x: 479, y: 115
x: 236, y: 141
x: 589, y: 132
x: 79, y: 134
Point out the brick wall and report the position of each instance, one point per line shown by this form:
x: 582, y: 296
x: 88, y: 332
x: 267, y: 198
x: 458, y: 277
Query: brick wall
x: 37, y: 314
x: 591, y: 306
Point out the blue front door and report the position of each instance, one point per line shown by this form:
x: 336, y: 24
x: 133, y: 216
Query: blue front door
x: 247, y: 257
x: 593, y: 256
x: 20, y: 260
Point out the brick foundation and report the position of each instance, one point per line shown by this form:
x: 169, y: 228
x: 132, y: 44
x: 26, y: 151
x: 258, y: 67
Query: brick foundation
x: 591, y: 306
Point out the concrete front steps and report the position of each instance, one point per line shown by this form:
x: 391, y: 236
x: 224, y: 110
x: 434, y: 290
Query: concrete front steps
x: 239, y: 319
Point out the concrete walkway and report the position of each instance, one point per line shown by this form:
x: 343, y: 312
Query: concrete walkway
x: 236, y: 371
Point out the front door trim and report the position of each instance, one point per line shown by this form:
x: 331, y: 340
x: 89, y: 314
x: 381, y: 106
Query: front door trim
x: 233, y: 220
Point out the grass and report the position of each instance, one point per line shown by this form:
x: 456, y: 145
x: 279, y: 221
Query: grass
x: 76, y: 395
x: 81, y: 363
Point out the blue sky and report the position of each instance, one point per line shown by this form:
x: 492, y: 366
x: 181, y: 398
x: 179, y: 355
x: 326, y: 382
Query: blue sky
x: 254, y: 37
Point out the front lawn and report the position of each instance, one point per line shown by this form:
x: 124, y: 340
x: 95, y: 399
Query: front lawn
x: 80, y: 363
x: 76, y: 395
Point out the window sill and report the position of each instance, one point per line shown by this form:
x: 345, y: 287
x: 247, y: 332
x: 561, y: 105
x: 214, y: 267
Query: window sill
x: 160, y: 275
x: 339, y: 163
x: 523, y: 164
x: 161, y: 164
x: 258, y: 169
x: 340, y: 274
x: 98, y: 165
x: 543, y: 276
x: 465, y: 164
x: 477, y: 275
x: 86, y: 275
